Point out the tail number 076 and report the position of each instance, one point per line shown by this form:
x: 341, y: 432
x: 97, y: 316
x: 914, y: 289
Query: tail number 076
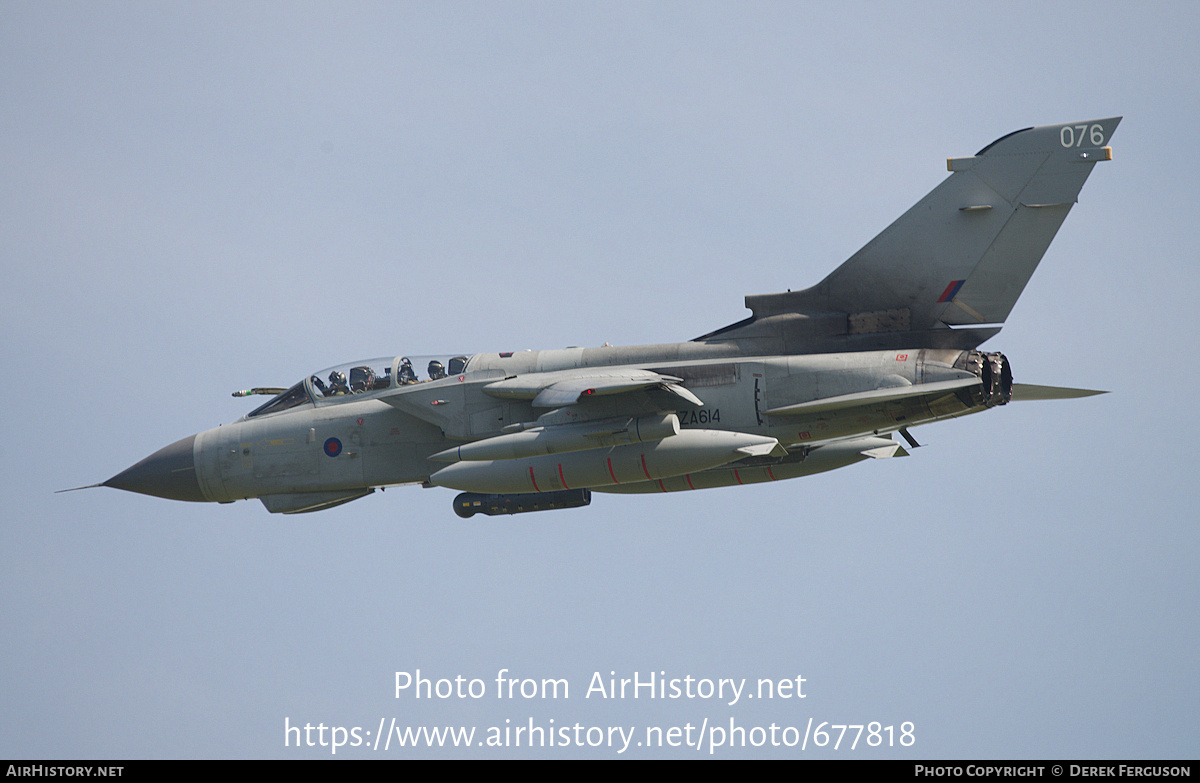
x: 1074, y: 135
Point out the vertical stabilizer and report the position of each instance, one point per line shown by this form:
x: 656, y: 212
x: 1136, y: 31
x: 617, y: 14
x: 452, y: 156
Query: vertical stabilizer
x: 963, y: 254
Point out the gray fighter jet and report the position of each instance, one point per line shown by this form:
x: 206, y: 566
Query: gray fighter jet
x: 813, y: 380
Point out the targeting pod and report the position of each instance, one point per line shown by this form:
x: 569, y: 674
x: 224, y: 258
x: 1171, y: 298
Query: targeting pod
x: 468, y: 504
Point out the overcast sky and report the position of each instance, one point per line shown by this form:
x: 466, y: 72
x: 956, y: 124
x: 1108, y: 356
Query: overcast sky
x: 198, y: 198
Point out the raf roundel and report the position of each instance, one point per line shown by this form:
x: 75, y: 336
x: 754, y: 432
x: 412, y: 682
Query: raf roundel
x: 333, y: 447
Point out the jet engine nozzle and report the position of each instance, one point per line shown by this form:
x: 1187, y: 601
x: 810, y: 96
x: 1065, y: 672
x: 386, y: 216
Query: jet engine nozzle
x: 994, y: 373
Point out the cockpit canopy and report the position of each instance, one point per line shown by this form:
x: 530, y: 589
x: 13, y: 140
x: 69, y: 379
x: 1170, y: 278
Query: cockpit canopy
x: 348, y: 381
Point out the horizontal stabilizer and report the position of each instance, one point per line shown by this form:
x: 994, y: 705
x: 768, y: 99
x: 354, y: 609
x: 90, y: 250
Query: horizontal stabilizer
x: 1028, y: 391
x: 874, y: 397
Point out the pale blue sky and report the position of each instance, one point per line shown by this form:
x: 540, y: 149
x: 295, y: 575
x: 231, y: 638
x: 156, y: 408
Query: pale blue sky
x: 201, y: 198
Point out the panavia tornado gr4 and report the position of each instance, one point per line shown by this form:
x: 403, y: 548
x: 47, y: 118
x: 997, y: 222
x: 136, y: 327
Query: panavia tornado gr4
x: 813, y: 380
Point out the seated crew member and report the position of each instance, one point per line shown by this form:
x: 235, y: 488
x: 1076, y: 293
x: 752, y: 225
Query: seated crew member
x: 362, y: 379
x: 337, y: 384
x: 407, y: 373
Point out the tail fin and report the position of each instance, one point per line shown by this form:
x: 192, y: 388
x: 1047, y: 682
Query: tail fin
x: 963, y: 254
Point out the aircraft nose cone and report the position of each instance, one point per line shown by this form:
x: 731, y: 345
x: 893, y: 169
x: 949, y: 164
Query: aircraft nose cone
x: 168, y: 473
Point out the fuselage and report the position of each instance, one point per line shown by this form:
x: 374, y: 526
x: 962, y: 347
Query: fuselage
x: 312, y: 444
